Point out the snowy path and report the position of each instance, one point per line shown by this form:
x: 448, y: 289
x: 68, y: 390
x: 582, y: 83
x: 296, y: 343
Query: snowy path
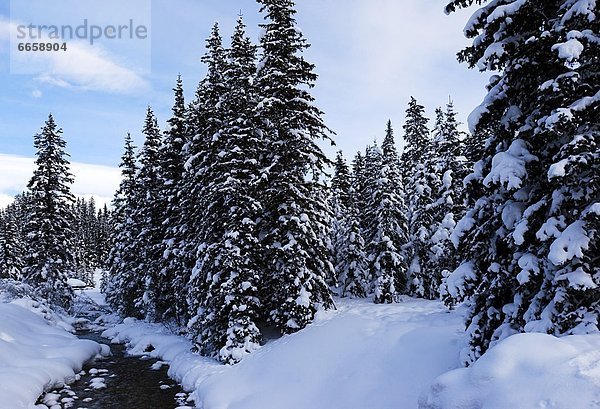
x: 361, y: 356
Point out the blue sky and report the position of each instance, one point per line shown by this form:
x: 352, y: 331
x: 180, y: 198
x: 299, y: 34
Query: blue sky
x: 371, y: 56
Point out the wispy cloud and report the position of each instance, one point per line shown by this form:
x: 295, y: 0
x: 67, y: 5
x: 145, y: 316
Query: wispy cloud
x: 81, y: 66
x: 90, y: 180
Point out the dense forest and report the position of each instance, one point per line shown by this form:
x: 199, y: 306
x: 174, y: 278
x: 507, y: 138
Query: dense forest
x: 233, y: 224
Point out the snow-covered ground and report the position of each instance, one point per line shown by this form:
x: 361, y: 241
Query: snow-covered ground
x: 382, y: 356
x: 37, y: 351
x: 525, y: 371
x: 360, y: 356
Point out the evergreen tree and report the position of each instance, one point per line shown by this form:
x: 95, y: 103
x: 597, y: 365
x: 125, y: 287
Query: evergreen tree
x: 295, y: 216
x: 416, y: 138
x: 421, y: 184
x: 449, y: 166
x: 373, y: 163
x: 204, y: 122
x: 352, y: 268
x: 49, y: 257
x: 82, y: 263
x: 387, y: 229
x: 532, y: 236
x: 103, y: 242
x: 339, y: 202
x: 341, y: 180
x: 148, y: 215
x: 230, y: 264
x: 11, y: 245
x: 119, y: 283
x: 173, y: 276
x: 359, y: 181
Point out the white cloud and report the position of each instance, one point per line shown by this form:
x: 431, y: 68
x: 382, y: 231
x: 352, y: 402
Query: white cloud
x: 36, y: 93
x: 90, y: 180
x: 89, y: 68
x: 81, y: 66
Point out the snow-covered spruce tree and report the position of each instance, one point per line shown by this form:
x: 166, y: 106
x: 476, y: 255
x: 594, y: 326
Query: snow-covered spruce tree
x: 119, y: 284
x: 352, y: 267
x: 103, y: 237
x: 204, y: 120
x: 533, y: 232
x: 82, y: 265
x: 11, y: 245
x: 148, y: 215
x: 230, y: 264
x: 295, y: 218
x: 341, y: 180
x: 339, y: 201
x: 91, y: 217
x: 387, y: 224
x: 359, y: 184
x: 394, y: 207
x: 420, y: 185
x: 450, y: 166
x: 369, y: 174
x: 49, y: 245
x: 172, y: 277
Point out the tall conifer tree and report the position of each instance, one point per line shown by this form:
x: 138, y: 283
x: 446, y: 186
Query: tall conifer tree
x: 387, y: 229
x: 148, y: 215
x: 49, y: 258
x: 173, y: 275
x: 230, y: 263
x: 532, y: 236
x: 119, y: 283
x: 295, y: 215
x: 421, y: 184
x: 11, y: 245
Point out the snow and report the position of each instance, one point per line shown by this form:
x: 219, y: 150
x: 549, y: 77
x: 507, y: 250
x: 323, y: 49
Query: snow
x: 579, y: 279
x: 502, y: 11
x: 512, y: 213
x: 454, y: 284
x: 524, y: 371
x: 362, y: 355
x: 74, y: 282
x: 37, y: 354
x: 557, y: 169
x: 529, y: 264
x: 185, y: 367
x: 463, y: 226
x: 581, y: 7
x: 354, y: 357
x: 569, y: 244
x: 508, y: 168
x: 570, y: 50
x: 595, y: 209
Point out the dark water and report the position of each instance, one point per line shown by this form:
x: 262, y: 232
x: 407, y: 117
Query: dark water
x: 130, y: 383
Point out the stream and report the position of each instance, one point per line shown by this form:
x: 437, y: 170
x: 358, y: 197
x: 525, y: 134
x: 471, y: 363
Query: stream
x: 118, y: 381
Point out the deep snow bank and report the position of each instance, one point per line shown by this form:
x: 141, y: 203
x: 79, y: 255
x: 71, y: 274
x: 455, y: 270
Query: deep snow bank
x: 525, y: 371
x: 361, y: 356
x: 37, y: 353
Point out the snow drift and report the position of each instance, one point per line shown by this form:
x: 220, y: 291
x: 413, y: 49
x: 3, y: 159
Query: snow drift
x: 35, y: 355
x: 525, y: 371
